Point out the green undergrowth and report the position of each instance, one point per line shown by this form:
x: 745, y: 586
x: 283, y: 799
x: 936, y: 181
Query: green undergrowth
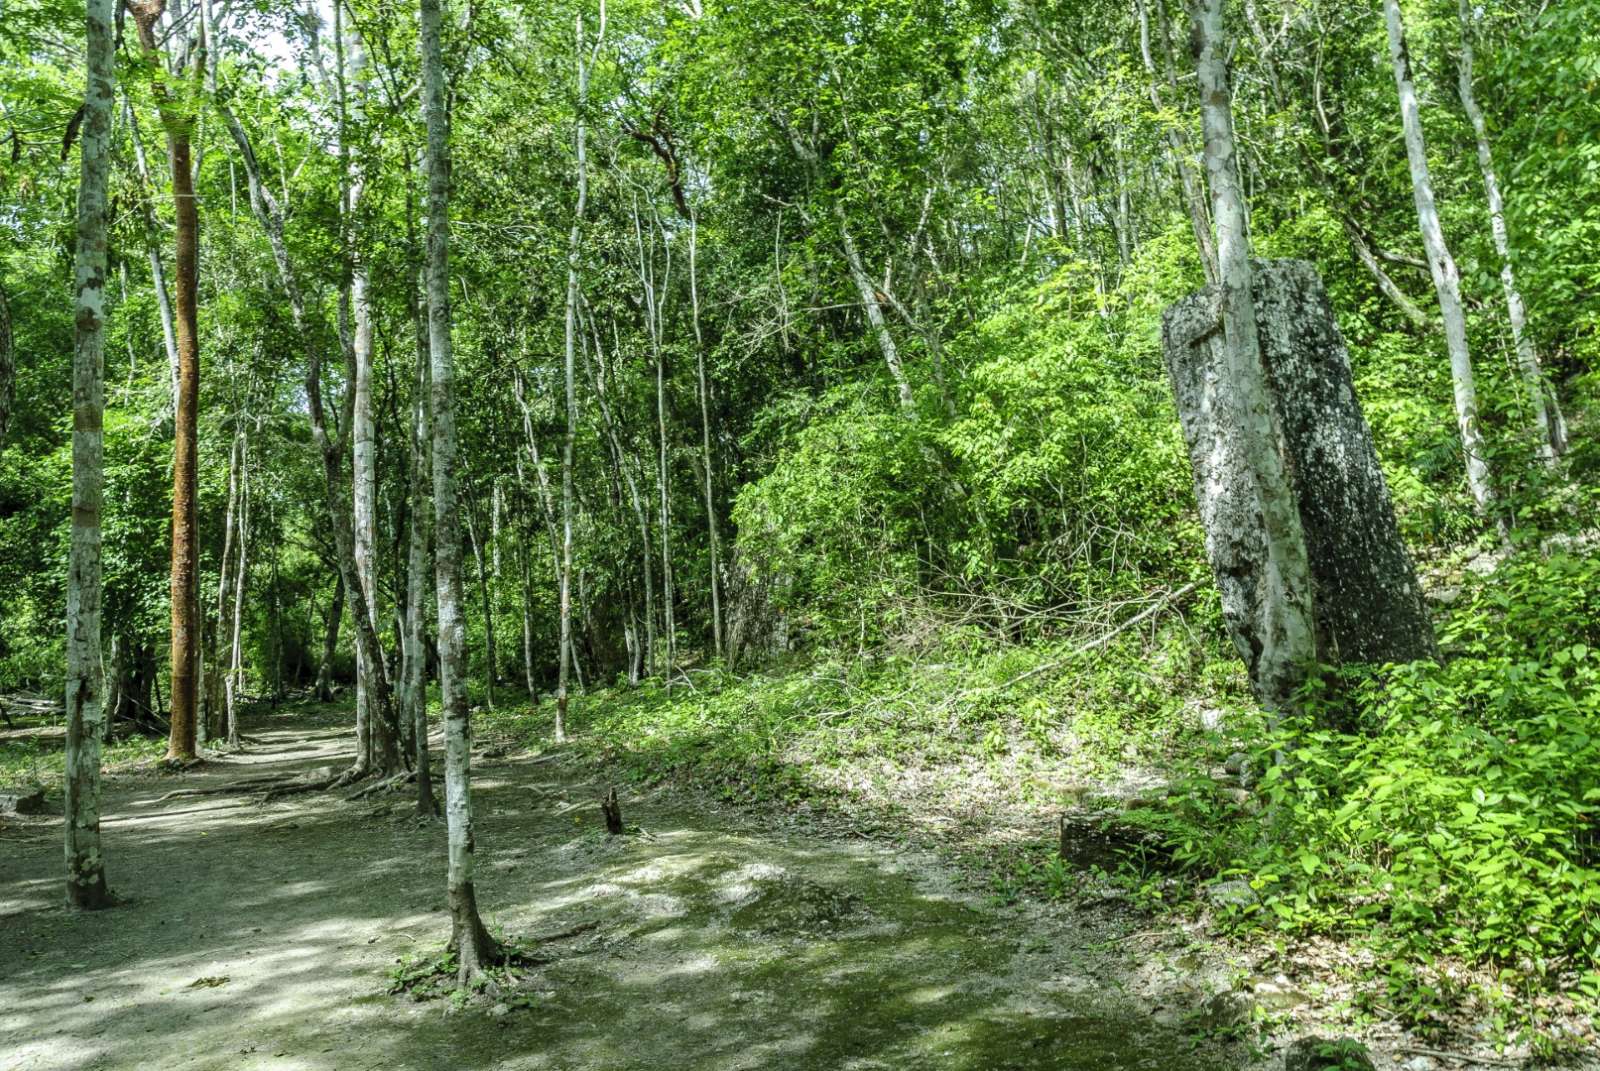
x: 1031, y: 715
x: 29, y: 761
x: 1454, y: 817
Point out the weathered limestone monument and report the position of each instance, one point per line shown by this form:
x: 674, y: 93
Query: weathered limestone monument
x: 1367, y: 604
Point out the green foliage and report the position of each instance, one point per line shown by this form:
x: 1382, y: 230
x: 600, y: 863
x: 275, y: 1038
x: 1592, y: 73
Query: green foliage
x: 1458, y: 814
x: 41, y: 761
x: 1060, y: 474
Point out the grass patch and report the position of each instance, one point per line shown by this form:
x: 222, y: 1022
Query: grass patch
x: 42, y: 761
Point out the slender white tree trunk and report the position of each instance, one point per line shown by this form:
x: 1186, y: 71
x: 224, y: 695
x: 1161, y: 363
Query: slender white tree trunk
x: 490, y: 654
x: 1193, y: 196
x: 641, y: 515
x: 705, y: 437
x: 474, y: 947
x: 86, y: 878
x: 234, y: 681
x: 874, y: 309
x: 1547, y: 418
x: 214, y: 684
x: 417, y: 569
x: 330, y: 446
x: 1441, y: 265
x: 158, y: 271
x: 574, y: 251
x: 526, y: 570
x: 1288, y: 634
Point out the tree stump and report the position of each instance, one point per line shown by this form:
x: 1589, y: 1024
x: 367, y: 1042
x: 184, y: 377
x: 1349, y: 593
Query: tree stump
x: 612, y: 809
x: 1368, y: 603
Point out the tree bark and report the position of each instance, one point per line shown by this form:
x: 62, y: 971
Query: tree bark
x: 1549, y: 424
x: 714, y: 548
x: 1441, y: 265
x: 1193, y: 196
x: 184, y: 590
x: 490, y: 654
x: 330, y: 640
x: 270, y: 214
x: 418, y: 563
x: 1283, y: 649
x: 86, y: 878
x: 8, y: 365
x: 381, y: 724
x: 158, y: 273
x: 233, y: 683
x: 475, y: 949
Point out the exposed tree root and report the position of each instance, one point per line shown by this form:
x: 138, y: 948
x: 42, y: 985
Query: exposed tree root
x: 356, y: 772
x: 322, y: 779
x: 248, y: 784
x: 294, y: 787
x: 388, y: 784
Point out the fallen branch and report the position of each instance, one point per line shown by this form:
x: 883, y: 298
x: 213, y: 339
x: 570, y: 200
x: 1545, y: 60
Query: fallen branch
x: 1459, y: 1057
x: 248, y: 784
x: 296, y: 788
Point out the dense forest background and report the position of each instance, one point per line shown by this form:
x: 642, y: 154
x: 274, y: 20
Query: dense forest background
x: 813, y: 350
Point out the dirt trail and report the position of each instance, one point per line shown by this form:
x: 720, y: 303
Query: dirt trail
x: 262, y: 936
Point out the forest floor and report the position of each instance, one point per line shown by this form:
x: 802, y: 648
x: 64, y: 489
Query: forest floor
x: 268, y: 934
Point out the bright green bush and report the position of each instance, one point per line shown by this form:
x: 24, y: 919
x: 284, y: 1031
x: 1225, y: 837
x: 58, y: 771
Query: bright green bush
x: 1460, y: 815
x: 1053, y: 476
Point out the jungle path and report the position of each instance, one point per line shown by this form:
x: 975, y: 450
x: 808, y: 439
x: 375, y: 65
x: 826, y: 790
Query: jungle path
x: 263, y: 935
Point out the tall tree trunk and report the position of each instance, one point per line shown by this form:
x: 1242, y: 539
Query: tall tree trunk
x: 185, y: 466
x: 1193, y: 196
x: 705, y: 437
x: 86, y: 877
x: 1548, y: 421
x: 158, y: 272
x: 234, y: 681
x: 330, y: 640
x: 418, y: 563
x: 874, y: 309
x: 8, y: 365
x: 1441, y: 265
x: 179, y: 125
x: 491, y: 656
x: 474, y: 947
x: 574, y: 250
x: 527, y: 623
x: 1288, y: 635
x: 215, y: 684
x: 270, y: 213
x: 382, y: 727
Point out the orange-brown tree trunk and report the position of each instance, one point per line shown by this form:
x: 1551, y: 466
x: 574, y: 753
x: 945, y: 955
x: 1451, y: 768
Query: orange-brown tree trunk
x: 185, y: 536
x: 179, y: 124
